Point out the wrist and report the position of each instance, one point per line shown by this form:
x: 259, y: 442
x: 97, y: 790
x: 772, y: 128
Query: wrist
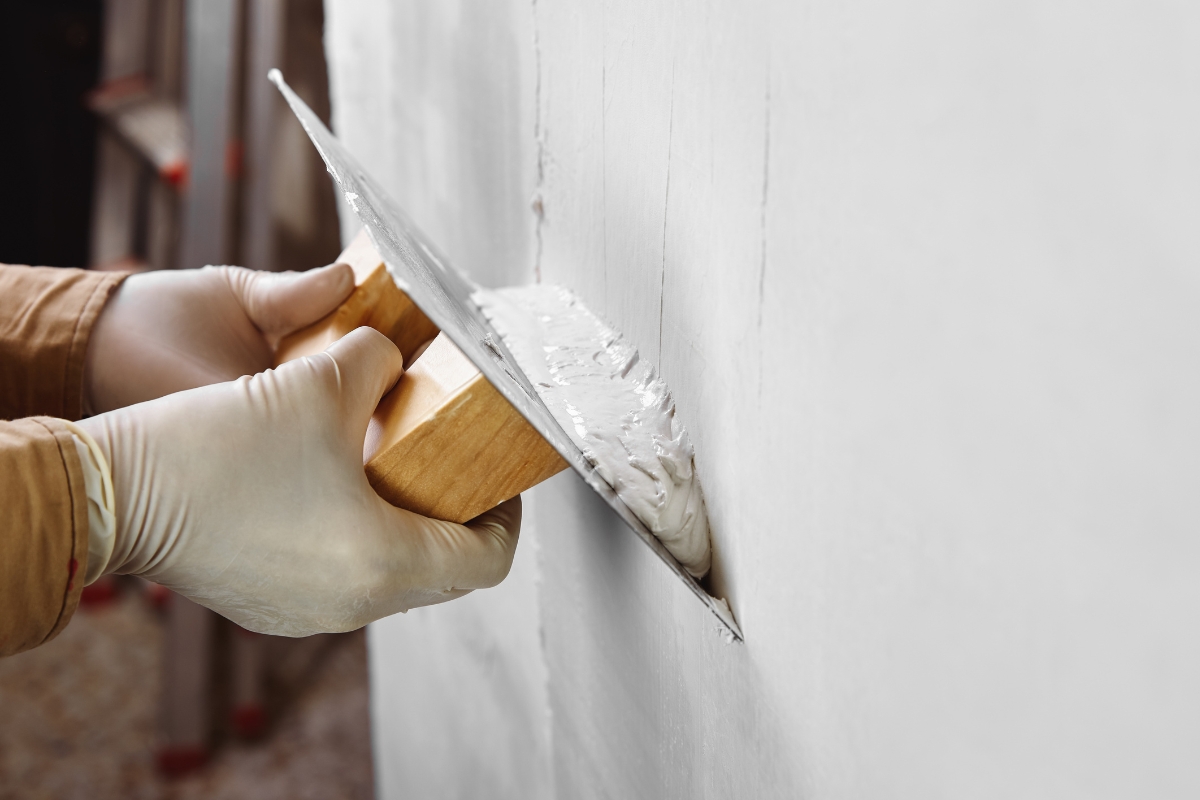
x: 93, y: 357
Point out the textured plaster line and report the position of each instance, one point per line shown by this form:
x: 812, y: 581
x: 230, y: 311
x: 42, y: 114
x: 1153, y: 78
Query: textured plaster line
x: 762, y: 266
x: 662, y: 285
x: 604, y: 154
x: 539, y: 193
x: 539, y: 136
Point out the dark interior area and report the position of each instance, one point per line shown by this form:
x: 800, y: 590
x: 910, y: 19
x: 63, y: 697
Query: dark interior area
x: 48, y: 63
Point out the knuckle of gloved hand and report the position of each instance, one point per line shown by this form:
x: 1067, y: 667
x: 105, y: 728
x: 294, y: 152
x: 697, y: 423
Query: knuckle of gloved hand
x: 472, y: 558
x: 494, y: 564
x: 354, y: 611
x: 369, y: 579
x: 503, y: 547
x: 342, y: 622
x: 332, y: 615
x: 503, y: 565
x: 381, y: 346
x: 236, y: 278
x: 315, y: 384
x: 369, y: 334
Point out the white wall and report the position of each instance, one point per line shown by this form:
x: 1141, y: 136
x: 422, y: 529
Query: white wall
x: 925, y: 280
x: 432, y: 99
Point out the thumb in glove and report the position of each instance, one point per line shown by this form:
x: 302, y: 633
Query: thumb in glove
x: 171, y: 330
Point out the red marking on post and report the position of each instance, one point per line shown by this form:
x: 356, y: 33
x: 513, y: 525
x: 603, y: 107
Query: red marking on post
x: 249, y: 720
x: 116, y: 90
x: 175, y: 762
x: 175, y: 173
x: 158, y: 596
x: 101, y: 593
x: 233, y: 159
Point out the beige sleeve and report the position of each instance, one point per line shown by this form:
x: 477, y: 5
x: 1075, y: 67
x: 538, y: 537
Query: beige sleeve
x: 46, y: 318
x: 43, y: 531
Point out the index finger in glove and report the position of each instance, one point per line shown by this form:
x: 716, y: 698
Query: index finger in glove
x: 367, y: 365
x: 279, y: 303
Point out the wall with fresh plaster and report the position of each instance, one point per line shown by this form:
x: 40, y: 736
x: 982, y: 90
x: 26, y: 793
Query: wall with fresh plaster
x: 924, y: 278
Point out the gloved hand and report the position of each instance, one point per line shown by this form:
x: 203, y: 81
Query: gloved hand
x: 250, y: 498
x: 167, y: 331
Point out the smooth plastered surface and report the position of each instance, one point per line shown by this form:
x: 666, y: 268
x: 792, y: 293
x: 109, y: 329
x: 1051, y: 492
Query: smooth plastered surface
x: 922, y: 279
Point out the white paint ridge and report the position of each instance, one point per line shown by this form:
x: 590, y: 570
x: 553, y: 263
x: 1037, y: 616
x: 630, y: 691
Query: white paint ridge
x: 612, y: 402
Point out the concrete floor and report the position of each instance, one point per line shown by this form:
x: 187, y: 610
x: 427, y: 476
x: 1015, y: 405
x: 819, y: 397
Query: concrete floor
x: 77, y: 718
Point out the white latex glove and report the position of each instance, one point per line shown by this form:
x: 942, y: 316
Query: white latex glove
x: 250, y: 498
x: 167, y: 331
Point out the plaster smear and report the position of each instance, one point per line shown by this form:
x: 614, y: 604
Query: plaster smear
x: 613, y: 404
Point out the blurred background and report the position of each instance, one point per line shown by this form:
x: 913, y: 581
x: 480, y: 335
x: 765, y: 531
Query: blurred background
x: 140, y: 135
x: 116, y: 111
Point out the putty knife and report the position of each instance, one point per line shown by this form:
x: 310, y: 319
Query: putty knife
x: 444, y: 295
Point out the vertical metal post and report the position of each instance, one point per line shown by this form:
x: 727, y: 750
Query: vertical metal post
x: 164, y: 210
x: 263, y: 105
x: 249, y: 715
x: 212, y: 41
x: 212, y: 38
x: 187, y: 656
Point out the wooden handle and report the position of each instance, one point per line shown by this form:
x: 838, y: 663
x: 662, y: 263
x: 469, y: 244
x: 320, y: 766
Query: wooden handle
x: 376, y: 303
x: 446, y: 444
x: 443, y: 443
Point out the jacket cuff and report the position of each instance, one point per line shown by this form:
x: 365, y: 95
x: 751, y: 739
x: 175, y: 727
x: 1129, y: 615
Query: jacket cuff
x: 46, y: 320
x: 44, y: 545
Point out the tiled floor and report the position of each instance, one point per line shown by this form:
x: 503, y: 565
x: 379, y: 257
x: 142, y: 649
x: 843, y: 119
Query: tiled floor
x: 77, y: 718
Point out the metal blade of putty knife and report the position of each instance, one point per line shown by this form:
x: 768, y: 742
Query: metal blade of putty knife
x: 444, y: 294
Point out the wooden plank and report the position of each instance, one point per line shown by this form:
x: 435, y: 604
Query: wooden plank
x: 446, y: 444
x: 443, y: 443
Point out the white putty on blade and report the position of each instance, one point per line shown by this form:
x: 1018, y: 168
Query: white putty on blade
x: 613, y: 404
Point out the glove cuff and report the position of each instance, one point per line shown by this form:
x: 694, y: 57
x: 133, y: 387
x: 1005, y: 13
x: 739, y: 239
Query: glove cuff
x: 102, y: 506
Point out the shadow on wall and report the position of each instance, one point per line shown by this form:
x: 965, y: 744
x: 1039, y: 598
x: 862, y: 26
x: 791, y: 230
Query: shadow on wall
x: 634, y: 659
